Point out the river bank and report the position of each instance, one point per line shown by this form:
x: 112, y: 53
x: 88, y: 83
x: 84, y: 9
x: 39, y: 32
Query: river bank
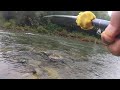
x: 53, y: 29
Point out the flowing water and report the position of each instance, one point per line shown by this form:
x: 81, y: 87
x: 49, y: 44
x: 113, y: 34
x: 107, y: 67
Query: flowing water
x: 35, y: 56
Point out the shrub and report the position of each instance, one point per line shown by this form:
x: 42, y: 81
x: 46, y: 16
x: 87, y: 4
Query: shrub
x: 41, y: 29
x: 7, y: 25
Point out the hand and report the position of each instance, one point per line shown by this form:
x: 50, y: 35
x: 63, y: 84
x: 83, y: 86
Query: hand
x: 110, y: 41
x: 109, y: 36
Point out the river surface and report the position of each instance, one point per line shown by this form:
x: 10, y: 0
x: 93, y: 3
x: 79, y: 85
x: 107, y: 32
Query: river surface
x: 35, y: 56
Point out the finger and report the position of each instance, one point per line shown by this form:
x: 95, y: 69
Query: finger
x: 109, y: 35
x: 106, y: 39
x: 115, y: 48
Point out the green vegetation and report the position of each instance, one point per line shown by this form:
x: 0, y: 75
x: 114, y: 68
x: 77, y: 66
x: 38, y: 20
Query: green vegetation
x: 33, y: 21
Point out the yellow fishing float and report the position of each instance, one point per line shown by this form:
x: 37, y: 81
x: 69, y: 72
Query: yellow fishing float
x: 84, y: 20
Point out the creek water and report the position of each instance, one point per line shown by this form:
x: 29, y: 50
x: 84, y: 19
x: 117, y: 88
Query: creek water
x: 35, y: 56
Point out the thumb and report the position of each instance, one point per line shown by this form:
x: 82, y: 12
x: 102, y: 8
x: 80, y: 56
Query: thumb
x: 109, y: 35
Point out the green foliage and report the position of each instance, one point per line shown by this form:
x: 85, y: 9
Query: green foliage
x: 12, y: 22
x: 51, y: 26
x: 41, y: 29
x: 7, y: 25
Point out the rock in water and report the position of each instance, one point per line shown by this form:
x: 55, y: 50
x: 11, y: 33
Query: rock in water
x: 55, y: 57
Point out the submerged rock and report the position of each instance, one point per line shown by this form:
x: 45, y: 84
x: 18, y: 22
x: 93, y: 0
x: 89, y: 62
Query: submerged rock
x: 52, y: 55
x: 52, y: 73
x: 55, y: 57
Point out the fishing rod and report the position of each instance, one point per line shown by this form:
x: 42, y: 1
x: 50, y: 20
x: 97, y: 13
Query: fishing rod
x: 86, y: 20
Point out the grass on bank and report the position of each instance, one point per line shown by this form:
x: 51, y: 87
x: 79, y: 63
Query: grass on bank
x: 51, y: 29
